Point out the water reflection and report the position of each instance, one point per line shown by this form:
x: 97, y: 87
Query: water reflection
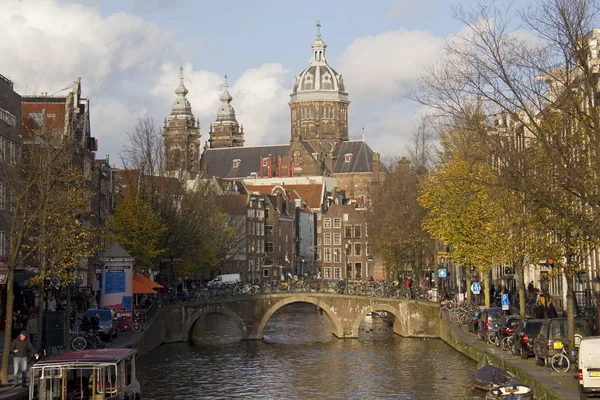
x: 299, y: 358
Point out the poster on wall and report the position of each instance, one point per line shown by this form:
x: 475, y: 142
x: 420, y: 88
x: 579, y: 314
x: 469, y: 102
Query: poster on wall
x: 116, y: 284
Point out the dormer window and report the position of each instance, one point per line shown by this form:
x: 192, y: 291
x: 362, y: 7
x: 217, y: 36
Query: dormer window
x: 236, y: 163
x: 348, y: 157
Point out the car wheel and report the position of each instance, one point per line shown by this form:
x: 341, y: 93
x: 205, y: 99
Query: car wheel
x: 539, y: 361
x: 582, y: 396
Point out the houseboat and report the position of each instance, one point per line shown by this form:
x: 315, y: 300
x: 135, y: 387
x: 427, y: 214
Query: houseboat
x: 100, y: 374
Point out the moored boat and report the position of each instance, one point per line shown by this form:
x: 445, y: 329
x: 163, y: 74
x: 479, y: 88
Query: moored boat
x: 100, y: 374
x: 511, y: 391
x: 488, y: 377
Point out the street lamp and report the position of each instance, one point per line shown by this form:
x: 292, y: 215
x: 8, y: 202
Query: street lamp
x: 596, y: 285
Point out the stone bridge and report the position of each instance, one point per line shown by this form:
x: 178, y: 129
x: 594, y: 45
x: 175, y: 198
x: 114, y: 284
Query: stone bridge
x: 251, y: 313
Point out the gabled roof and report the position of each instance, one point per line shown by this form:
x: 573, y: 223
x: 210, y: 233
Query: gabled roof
x: 115, y: 251
x: 361, y: 160
x: 312, y: 194
x: 219, y: 162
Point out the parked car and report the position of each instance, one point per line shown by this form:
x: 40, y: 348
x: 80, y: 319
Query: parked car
x: 491, y: 318
x: 553, y: 333
x: 589, y: 367
x: 108, y: 323
x: 524, y: 335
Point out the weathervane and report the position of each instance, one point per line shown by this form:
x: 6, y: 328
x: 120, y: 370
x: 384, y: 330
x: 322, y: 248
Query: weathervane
x: 319, y: 30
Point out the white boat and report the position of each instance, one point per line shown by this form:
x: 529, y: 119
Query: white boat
x: 100, y: 374
x: 511, y: 391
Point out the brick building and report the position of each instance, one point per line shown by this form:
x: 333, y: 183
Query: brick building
x: 10, y: 143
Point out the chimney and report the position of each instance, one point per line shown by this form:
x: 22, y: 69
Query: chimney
x: 260, y: 166
x: 270, y: 165
x: 375, y: 167
x: 375, y: 185
x: 279, y: 166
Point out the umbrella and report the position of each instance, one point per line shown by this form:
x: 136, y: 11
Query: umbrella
x: 140, y: 288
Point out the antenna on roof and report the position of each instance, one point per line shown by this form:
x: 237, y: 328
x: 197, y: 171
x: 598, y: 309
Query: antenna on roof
x: 69, y: 86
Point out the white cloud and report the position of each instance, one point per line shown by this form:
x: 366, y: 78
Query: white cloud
x: 378, y: 72
x: 45, y: 45
x: 384, y: 66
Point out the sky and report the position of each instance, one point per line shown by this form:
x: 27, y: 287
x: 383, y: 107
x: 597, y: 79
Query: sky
x: 128, y: 52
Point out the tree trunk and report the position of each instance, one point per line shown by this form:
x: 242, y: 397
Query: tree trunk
x: 468, y: 284
x: 487, y: 284
x: 570, y: 306
x: 10, y: 299
x: 520, y: 274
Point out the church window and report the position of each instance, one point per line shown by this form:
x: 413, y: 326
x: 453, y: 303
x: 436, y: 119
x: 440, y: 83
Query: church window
x: 176, y: 159
x: 304, y: 113
x: 312, y: 113
x: 348, y: 157
x: 322, y: 112
x: 236, y: 163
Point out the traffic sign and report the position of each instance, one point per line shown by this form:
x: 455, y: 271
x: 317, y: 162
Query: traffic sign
x: 475, y: 287
x: 442, y: 273
x: 505, y: 305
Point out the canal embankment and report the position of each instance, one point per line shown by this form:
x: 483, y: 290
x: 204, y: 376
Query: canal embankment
x: 547, y: 385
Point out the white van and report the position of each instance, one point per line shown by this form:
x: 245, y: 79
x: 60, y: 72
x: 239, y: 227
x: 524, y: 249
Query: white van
x: 227, y: 279
x: 589, y: 366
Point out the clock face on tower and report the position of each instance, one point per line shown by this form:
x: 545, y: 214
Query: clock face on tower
x: 327, y: 147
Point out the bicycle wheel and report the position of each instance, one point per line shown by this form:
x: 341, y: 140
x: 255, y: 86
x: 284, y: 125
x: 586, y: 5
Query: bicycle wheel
x: 505, y: 344
x: 560, y: 363
x: 136, y: 327
x: 78, y: 343
x: 266, y: 288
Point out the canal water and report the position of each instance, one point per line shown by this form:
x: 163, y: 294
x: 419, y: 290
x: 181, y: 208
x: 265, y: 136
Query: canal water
x: 299, y: 358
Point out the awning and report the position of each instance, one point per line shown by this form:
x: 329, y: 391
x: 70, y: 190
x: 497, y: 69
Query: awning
x: 147, y: 282
x: 140, y: 288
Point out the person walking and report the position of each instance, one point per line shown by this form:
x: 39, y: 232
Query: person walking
x: 551, y: 309
x: 19, y: 348
x: 32, y: 328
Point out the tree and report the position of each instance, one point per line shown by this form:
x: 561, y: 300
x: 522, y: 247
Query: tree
x: 48, y: 194
x: 396, y: 223
x: 143, y: 150
x: 541, y: 95
x: 137, y: 227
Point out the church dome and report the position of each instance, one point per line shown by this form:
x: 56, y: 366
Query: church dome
x: 319, y: 81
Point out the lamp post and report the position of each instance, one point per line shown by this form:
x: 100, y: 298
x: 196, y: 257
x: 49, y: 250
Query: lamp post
x: 596, y: 285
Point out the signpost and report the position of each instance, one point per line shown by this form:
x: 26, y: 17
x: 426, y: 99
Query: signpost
x: 505, y: 304
x: 475, y: 288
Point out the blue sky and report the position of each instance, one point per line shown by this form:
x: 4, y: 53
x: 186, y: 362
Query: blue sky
x: 127, y: 53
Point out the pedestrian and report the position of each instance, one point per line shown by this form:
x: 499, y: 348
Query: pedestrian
x: 551, y: 310
x: 19, y: 348
x: 32, y: 328
x: 530, y: 288
x: 539, y: 310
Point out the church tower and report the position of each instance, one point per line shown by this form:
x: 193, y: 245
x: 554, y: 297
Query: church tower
x: 181, y: 135
x: 226, y: 132
x: 319, y: 102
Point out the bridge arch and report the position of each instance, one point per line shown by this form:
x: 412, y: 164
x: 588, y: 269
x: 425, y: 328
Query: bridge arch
x: 333, y: 319
x: 215, y: 309
x: 375, y: 307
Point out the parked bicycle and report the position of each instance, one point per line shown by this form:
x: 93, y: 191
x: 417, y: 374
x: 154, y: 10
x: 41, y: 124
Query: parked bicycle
x: 561, y: 362
x: 87, y: 340
x: 129, y: 322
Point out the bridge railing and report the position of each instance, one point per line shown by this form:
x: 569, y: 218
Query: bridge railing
x: 353, y: 288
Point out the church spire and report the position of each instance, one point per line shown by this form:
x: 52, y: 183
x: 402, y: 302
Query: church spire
x: 181, y: 106
x: 226, y: 131
x: 226, y: 113
x: 318, y: 49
